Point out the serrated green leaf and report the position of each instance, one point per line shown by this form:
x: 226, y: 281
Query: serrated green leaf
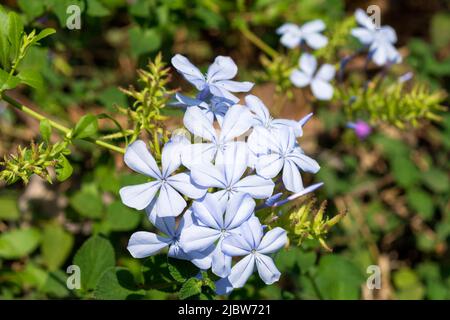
x: 94, y: 257
x: 19, y: 242
x: 181, y: 270
x: 56, y: 246
x: 190, y: 288
x: 86, y: 127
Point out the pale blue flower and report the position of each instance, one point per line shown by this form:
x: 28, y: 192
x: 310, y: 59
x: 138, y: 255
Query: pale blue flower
x: 278, y: 151
x: 216, y: 81
x: 213, y: 108
x: 255, y: 247
x: 262, y: 117
x: 319, y: 82
x: 144, y: 244
x: 380, y: 40
x: 226, y: 175
x: 235, y: 123
x: 215, y: 221
x: 160, y: 197
x: 293, y: 35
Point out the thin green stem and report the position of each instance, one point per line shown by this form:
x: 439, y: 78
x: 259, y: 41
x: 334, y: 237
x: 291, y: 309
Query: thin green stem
x: 56, y: 125
x: 257, y: 41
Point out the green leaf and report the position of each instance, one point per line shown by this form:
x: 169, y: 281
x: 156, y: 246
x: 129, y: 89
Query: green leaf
x: 117, y: 284
x: 45, y: 129
x: 97, y: 9
x: 156, y: 274
x: 405, y: 172
x: 181, y: 270
x: 4, y: 43
x: 86, y: 127
x: 8, y: 81
x: 94, y: 257
x: 15, y: 30
x: 19, y: 242
x: 121, y: 218
x: 56, y: 246
x: 437, y: 180
x: 338, y: 278
x: 55, y: 286
x: 144, y: 40
x: 44, y: 34
x: 63, y: 169
x: 408, y: 285
x: 421, y: 202
x: 190, y: 288
x: 87, y: 202
x: 9, y: 210
x: 31, y: 78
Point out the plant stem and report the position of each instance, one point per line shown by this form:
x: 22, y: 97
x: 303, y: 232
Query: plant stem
x: 257, y: 41
x: 56, y: 125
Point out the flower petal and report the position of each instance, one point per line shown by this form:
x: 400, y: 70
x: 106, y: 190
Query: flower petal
x: 198, y: 238
x: 326, y: 72
x: 308, y: 64
x: 389, y: 34
x: 223, y: 68
x: 322, y: 90
x: 364, y: 20
x: 190, y: 72
x: 273, y: 241
x: 198, y: 123
x: 364, y: 35
x: 221, y: 263
x: 170, y: 203
x: 258, y: 108
x: 208, y: 176
x: 252, y: 232
x: 267, y: 269
x: 313, y: 26
x: 170, y: 158
x: 209, y: 212
x: 257, y: 187
x: 240, y: 208
x: 139, y: 196
x: 316, y: 40
x: 292, y: 38
x: 233, y: 161
x: 242, y: 271
x: 268, y: 166
x: 235, y: 246
x: 198, y: 154
x: 304, y: 162
x: 291, y: 177
x: 235, y: 123
x: 223, y: 286
x: 299, y: 78
x: 182, y: 182
x: 143, y: 244
x: 164, y: 224
x: 138, y: 158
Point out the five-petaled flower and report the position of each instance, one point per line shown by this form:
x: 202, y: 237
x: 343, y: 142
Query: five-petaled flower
x: 214, y: 221
x: 319, y: 81
x: 227, y: 173
x: 256, y: 247
x: 143, y: 244
x: 235, y: 123
x: 216, y: 81
x: 380, y: 40
x: 161, y: 196
x: 279, y: 151
x: 293, y: 35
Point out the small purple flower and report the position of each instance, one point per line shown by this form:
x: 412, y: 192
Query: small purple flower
x: 361, y: 128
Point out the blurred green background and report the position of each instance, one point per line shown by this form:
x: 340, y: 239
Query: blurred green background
x: 395, y: 185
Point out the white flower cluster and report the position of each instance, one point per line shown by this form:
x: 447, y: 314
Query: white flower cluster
x: 242, y: 151
x: 379, y: 40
